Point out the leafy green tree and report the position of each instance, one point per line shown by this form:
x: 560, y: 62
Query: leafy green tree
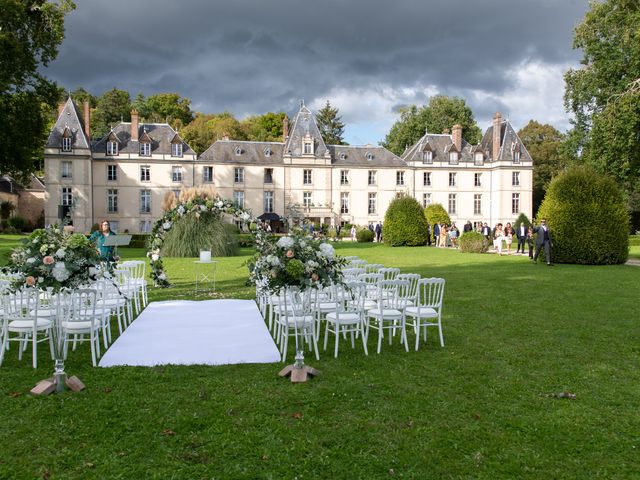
x: 604, y: 94
x: 264, y: 128
x: 436, y: 213
x: 198, y: 134
x: 30, y: 34
x: 545, y: 144
x: 80, y: 95
x: 440, y: 114
x: 165, y: 107
x: 226, y: 125
x: 330, y: 125
x: 112, y: 107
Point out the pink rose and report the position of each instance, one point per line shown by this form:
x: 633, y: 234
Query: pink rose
x: 314, y: 277
x: 289, y: 253
x: 48, y: 260
x: 31, y: 281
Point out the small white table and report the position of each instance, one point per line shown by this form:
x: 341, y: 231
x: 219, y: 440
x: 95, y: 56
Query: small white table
x: 206, y: 274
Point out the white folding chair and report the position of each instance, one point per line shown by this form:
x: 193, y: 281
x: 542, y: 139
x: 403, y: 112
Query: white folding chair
x: 389, y: 273
x: 137, y: 268
x: 389, y: 312
x: 427, y: 312
x: 296, y: 317
x: 83, y: 319
x: 348, y: 315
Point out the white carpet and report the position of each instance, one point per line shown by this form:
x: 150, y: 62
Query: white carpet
x: 211, y: 332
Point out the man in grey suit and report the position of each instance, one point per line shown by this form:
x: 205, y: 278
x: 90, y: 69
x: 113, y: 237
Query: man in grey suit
x: 543, y: 239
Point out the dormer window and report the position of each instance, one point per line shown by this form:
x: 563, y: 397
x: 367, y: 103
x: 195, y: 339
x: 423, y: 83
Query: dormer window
x: 145, y: 149
x: 343, y: 156
x: 516, y: 156
x: 478, y: 158
x: 176, y: 149
x: 308, y: 148
x: 112, y: 148
x: 267, y: 152
x: 66, y: 144
x: 369, y: 156
x: 238, y: 151
x: 453, y: 158
x: 427, y: 157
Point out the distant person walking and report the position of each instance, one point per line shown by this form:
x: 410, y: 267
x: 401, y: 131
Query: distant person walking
x: 529, y: 242
x: 498, y: 238
x: 521, y: 233
x: 543, y: 240
x: 379, y: 232
x: 354, y: 233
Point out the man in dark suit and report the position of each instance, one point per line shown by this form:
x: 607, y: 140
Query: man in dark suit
x: 467, y: 227
x: 378, y: 232
x: 521, y: 233
x: 543, y: 239
x: 486, y: 231
x: 436, y: 234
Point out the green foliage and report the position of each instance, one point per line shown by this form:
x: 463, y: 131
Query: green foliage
x: 264, y: 128
x: 139, y: 240
x: 331, y: 125
x: 112, y: 107
x: 404, y: 223
x: 587, y: 218
x: 30, y: 34
x: 6, y: 208
x: 246, y: 240
x: 198, y: 134
x: 522, y: 218
x: 473, y: 242
x: 436, y: 213
x: 545, y: 144
x: 191, y: 234
x: 364, y: 235
x: 441, y: 113
x: 165, y: 107
x: 17, y: 222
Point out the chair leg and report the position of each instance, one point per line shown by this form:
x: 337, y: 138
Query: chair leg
x: 335, y: 353
x: 440, y: 332
x: 34, y: 349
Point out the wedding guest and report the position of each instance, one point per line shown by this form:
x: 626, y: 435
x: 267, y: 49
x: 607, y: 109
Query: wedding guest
x: 529, y: 242
x: 353, y: 233
x: 486, y: 231
x: 543, y: 239
x: 521, y: 233
x: 468, y: 227
x: 436, y: 234
x: 453, y: 235
x: 508, y: 236
x: 338, y: 228
x: 98, y: 238
x: 443, y: 235
x: 379, y: 232
x: 498, y: 238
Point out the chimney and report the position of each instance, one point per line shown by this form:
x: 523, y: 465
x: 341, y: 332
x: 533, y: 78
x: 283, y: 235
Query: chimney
x: 61, y: 107
x: 134, y: 125
x: 285, y: 128
x: 457, y: 136
x: 497, y: 127
x: 87, y: 119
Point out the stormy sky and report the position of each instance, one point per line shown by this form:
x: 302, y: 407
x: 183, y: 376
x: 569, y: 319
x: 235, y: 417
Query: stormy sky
x: 367, y: 57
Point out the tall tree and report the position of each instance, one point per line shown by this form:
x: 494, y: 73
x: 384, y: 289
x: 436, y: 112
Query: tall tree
x: 112, y: 107
x: 264, y: 128
x: 30, y: 33
x: 545, y: 144
x: 604, y: 95
x: 330, y: 125
x: 206, y: 129
x: 440, y: 114
x: 165, y: 107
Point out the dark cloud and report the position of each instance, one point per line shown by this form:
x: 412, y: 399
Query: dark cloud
x: 250, y: 56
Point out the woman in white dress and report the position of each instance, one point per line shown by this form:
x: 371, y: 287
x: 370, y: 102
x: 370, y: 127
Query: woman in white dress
x: 498, y: 237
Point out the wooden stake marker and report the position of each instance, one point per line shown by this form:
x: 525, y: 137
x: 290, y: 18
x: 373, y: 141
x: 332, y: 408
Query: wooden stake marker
x: 299, y: 375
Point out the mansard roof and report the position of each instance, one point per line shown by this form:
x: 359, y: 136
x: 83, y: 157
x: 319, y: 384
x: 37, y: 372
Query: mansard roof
x: 255, y: 153
x: 160, y: 135
x: 364, y: 156
x: 440, y: 145
x: 509, y: 139
x: 304, y: 126
x: 69, y: 119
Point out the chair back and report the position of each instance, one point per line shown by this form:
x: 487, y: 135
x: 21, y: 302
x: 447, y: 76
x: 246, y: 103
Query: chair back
x: 356, y: 297
x: 373, y: 267
x: 393, y: 294
x: 431, y: 292
x: 136, y: 267
x: 83, y: 305
x: 389, y: 273
x: 413, y: 282
x: 22, y: 304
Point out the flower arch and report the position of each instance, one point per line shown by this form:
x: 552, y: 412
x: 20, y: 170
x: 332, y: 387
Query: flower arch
x: 164, y: 224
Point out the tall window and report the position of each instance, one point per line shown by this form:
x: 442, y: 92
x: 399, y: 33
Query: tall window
x: 144, y: 226
x: 307, y: 179
x: 399, y: 178
x: 176, y: 149
x: 207, y: 174
x: 306, y: 199
x: 66, y: 144
x: 344, y: 177
x: 65, y: 170
x: 477, y: 179
x: 112, y: 173
x: 145, y: 149
x: 112, y: 148
x: 452, y: 179
x: 176, y: 174
x: 426, y: 179
x: 372, y: 177
x: 268, y: 175
x: 453, y: 158
x: 344, y: 202
x: 145, y: 201
x: 238, y: 198
x: 515, y: 203
x: 238, y: 175
x: 515, y: 179
x: 307, y: 148
x: 427, y: 157
x: 372, y: 203
x: 426, y: 199
x: 112, y: 200
x: 516, y: 156
x: 477, y: 204
x: 268, y: 202
x: 478, y: 158
x: 145, y: 173
x: 67, y: 196
x: 452, y: 203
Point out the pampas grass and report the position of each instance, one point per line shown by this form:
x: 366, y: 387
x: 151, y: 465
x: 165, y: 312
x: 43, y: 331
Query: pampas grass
x: 197, y: 232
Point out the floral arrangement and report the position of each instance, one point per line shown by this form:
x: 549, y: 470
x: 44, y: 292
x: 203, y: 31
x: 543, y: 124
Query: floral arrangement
x: 294, y: 260
x: 53, y: 258
x: 195, y: 206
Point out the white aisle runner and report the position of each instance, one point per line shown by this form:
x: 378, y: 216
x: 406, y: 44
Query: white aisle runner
x: 210, y: 332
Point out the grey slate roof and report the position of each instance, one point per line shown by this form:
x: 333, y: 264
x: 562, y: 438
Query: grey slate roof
x: 161, y: 135
x: 69, y: 118
x: 440, y: 144
x: 304, y: 124
x: 364, y: 156
x: 508, y: 140
x: 224, y: 151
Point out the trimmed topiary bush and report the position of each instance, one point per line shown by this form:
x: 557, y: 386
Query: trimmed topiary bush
x: 473, y: 242
x: 364, y: 235
x: 587, y: 217
x: 435, y: 213
x: 404, y: 223
x: 17, y: 222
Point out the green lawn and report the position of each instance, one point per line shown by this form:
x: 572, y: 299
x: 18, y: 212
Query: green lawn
x: 482, y: 407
